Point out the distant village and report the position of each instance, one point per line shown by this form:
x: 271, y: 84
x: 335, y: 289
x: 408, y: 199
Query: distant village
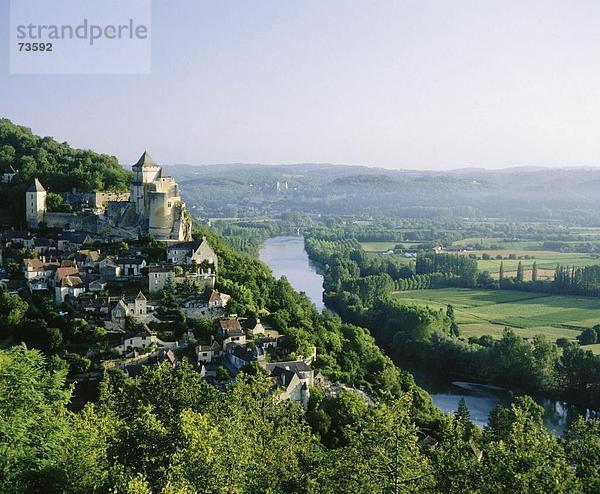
x: 129, y: 267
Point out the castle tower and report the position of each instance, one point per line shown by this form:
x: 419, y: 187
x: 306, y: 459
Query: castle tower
x: 35, y: 204
x: 145, y: 171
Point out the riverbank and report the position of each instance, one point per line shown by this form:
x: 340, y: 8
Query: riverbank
x: 286, y: 256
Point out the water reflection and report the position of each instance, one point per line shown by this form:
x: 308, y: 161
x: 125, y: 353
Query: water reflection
x: 482, y: 398
x: 286, y: 257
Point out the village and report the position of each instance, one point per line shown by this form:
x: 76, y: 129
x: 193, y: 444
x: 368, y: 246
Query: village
x: 148, y: 291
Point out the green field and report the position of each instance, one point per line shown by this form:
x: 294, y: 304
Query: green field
x: 545, y: 259
x: 487, y: 242
x: 378, y: 246
x: 480, y: 312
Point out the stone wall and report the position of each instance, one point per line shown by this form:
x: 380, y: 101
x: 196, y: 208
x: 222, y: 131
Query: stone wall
x: 75, y: 221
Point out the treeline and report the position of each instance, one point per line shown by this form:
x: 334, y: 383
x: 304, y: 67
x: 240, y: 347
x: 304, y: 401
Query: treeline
x: 463, y: 266
x: 59, y: 166
x: 363, y: 265
x: 577, y: 280
x: 567, y: 280
x: 168, y: 432
x: 426, y: 281
x: 247, y: 235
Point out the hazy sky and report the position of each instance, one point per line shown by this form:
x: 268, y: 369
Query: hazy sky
x: 400, y: 84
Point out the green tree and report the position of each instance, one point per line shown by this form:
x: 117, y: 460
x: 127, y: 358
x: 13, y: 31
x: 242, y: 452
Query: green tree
x: 582, y: 446
x: 12, y: 310
x: 382, y: 455
x: 522, y: 456
x: 520, y: 273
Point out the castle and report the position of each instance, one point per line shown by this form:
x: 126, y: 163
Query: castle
x: 152, y: 207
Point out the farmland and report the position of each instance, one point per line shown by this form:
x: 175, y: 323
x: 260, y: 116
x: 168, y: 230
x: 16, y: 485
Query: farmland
x: 546, y: 261
x: 480, y: 312
x: 378, y: 246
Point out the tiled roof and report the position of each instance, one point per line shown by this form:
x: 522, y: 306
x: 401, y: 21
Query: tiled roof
x: 230, y: 325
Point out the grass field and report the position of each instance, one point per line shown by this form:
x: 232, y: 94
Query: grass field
x: 487, y: 242
x: 480, y: 312
x: 545, y: 259
x: 378, y: 246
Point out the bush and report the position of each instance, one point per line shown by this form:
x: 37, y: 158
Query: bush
x: 587, y: 337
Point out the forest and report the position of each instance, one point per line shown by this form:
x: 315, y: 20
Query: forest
x: 167, y: 431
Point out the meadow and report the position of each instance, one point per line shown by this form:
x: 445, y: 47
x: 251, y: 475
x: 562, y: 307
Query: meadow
x: 378, y: 246
x: 546, y: 261
x: 480, y: 312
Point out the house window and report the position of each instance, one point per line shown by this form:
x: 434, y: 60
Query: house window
x: 168, y: 204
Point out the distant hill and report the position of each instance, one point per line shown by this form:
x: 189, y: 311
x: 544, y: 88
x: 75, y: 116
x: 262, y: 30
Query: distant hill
x: 519, y: 193
x: 249, y: 190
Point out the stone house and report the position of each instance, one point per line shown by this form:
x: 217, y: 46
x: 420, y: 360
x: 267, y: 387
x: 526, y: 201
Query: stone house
x: 228, y: 326
x: 119, y: 313
x: 142, y: 338
x: 69, y: 285
x: 205, y: 354
x: 43, y: 245
x: 196, y: 251
x: 86, y: 258
x: 240, y: 356
x: 138, y: 309
x: 22, y: 238
x: 257, y: 328
x: 158, y: 277
x: 72, y: 241
x: 97, y: 285
x: 8, y: 174
x: 217, y: 300
x: 38, y: 269
x: 109, y: 269
x: 294, y: 377
x: 131, y: 266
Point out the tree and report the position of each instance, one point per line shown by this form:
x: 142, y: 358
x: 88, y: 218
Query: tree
x: 12, y: 310
x: 582, y: 446
x: 382, y: 455
x: 44, y: 447
x: 587, y: 337
x: 534, y: 272
x: 454, y: 330
x: 521, y: 456
x: 520, y: 274
x: 55, y: 202
x: 501, y: 272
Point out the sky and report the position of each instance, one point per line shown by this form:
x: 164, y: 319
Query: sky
x: 418, y: 84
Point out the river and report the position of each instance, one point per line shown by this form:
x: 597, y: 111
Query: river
x: 286, y: 257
